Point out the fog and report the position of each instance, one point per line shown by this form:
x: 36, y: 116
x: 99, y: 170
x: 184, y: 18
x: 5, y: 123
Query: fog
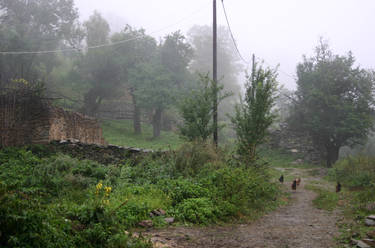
x: 279, y: 32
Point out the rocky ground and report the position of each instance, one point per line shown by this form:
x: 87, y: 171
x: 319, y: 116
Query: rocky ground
x: 297, y: 225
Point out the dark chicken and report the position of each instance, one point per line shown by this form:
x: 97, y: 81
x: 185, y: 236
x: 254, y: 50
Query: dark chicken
x: 281, y: 179
x: 294, y: 184
x: 338, y: 187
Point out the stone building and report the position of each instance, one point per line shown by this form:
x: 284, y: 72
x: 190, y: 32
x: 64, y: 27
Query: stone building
x: 26, y: 118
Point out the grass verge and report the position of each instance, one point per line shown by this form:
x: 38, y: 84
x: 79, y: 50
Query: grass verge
x: 120, y: 132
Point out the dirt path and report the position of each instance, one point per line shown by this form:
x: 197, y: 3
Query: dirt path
x: 298, y: 225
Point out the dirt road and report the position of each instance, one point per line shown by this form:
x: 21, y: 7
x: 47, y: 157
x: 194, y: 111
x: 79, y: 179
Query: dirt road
x: 297, y: 225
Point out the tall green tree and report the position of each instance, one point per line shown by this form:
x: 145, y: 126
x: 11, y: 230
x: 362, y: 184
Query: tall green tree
x: 162, y: 77
x: 140, y: 48
x: 98, y: 66
x: 334, y: 101
x: 254, y: 115
x: 35, y: 25
x: 196, y: 109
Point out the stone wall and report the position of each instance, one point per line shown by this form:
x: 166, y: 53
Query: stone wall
x: 25, y: 120
x: 70, y: 125
x: 109, y: 154
x: 295, y: 143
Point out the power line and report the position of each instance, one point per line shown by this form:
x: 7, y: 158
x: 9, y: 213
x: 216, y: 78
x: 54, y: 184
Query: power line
x: 74, y: 49
x: 238, y: 51
x: 231, y: 34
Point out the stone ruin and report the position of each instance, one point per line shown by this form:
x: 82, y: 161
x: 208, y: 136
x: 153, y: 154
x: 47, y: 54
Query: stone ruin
x: 295, y: 143
x: 28, y: 118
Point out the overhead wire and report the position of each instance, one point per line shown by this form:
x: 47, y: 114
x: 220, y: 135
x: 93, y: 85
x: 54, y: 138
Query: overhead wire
x: 238, y: 50
x: 75, y: 49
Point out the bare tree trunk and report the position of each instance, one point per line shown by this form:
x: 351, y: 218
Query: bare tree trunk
x: 156, y: 122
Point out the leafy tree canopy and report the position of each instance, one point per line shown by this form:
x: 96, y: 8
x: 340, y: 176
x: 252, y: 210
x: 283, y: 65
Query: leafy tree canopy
x: 334, y: 101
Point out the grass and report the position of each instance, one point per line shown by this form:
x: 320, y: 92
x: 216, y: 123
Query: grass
x: 326, y: 200
x: 120, y: 132
x: 281, y: 160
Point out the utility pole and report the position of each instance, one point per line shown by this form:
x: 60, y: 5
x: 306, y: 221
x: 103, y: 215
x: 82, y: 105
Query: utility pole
x: 214, y: 72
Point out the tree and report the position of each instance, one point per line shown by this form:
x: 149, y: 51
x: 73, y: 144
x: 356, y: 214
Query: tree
x: 334, y: 101
x: 34, y: 26
x: 254, y: 115
x: 196, y: 110
x: 159, y: 79
x: 229, y: 66
x: 97, y: 66
x: 139, y: 49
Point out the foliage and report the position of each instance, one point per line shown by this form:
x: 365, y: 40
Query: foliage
x: 357, y: 177
x: 253, y: 116
x: 196, y: 110
x: 355, y: 172
x: 334, y: 101
x: 159, y: 79
x: 34, y: 26
x: 57, y: 201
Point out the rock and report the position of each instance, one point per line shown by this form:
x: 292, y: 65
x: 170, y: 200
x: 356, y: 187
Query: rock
x: 359, y: 243
x: 371, y: 217
x: 371, y: 234
x: 294, y: 150
x: 362, y: 244
x: 369, y: 222
x: 369, y: 242
x: 169, y: 220
x: 370, y: 206
x: 146, y: 223
x: 157, y: 212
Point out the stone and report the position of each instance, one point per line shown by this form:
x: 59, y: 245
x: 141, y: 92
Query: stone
x: 146, y: 223
x: 371, y: 234
x: 369, y: 221
x: 169, y: 220
x: 370, y: 206
x: 359, y: 243
x: 294, y: 150
x: 157, y: 212
x: 372, y: 217
x: 369, y: 242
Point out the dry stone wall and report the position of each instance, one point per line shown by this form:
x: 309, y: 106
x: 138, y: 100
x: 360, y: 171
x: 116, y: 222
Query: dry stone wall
x: 296, y: 143
x: 19, y: 126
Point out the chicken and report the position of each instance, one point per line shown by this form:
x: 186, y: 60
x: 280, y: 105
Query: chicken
x: 281, y: 179
x: 294, y: 184
x: 338, y: 187
x: 298, y: 181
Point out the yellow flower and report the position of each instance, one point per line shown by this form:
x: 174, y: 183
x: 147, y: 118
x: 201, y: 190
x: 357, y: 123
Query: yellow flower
x: 108, y: 189
x: 99, y: 186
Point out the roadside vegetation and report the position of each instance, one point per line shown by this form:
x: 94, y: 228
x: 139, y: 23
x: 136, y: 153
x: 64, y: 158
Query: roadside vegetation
x: 58, y: 201
x: 357, y: 199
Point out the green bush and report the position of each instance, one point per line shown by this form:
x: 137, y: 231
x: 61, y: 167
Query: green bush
x: 355, y: 172
x: 244, y: 188
x: 181, y: 189
x: 196, y: 210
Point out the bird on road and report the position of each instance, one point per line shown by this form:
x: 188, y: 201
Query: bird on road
x: 294, y: 184
x: 338, y: 187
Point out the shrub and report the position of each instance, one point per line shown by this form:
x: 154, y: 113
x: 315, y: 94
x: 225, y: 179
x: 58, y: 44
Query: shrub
x: 191, y: 157
x: 196, y: 210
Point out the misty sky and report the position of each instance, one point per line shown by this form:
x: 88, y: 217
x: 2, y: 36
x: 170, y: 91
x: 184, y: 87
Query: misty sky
x: 279, y: 31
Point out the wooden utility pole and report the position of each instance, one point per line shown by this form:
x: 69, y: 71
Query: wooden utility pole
x: 214, y: 73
